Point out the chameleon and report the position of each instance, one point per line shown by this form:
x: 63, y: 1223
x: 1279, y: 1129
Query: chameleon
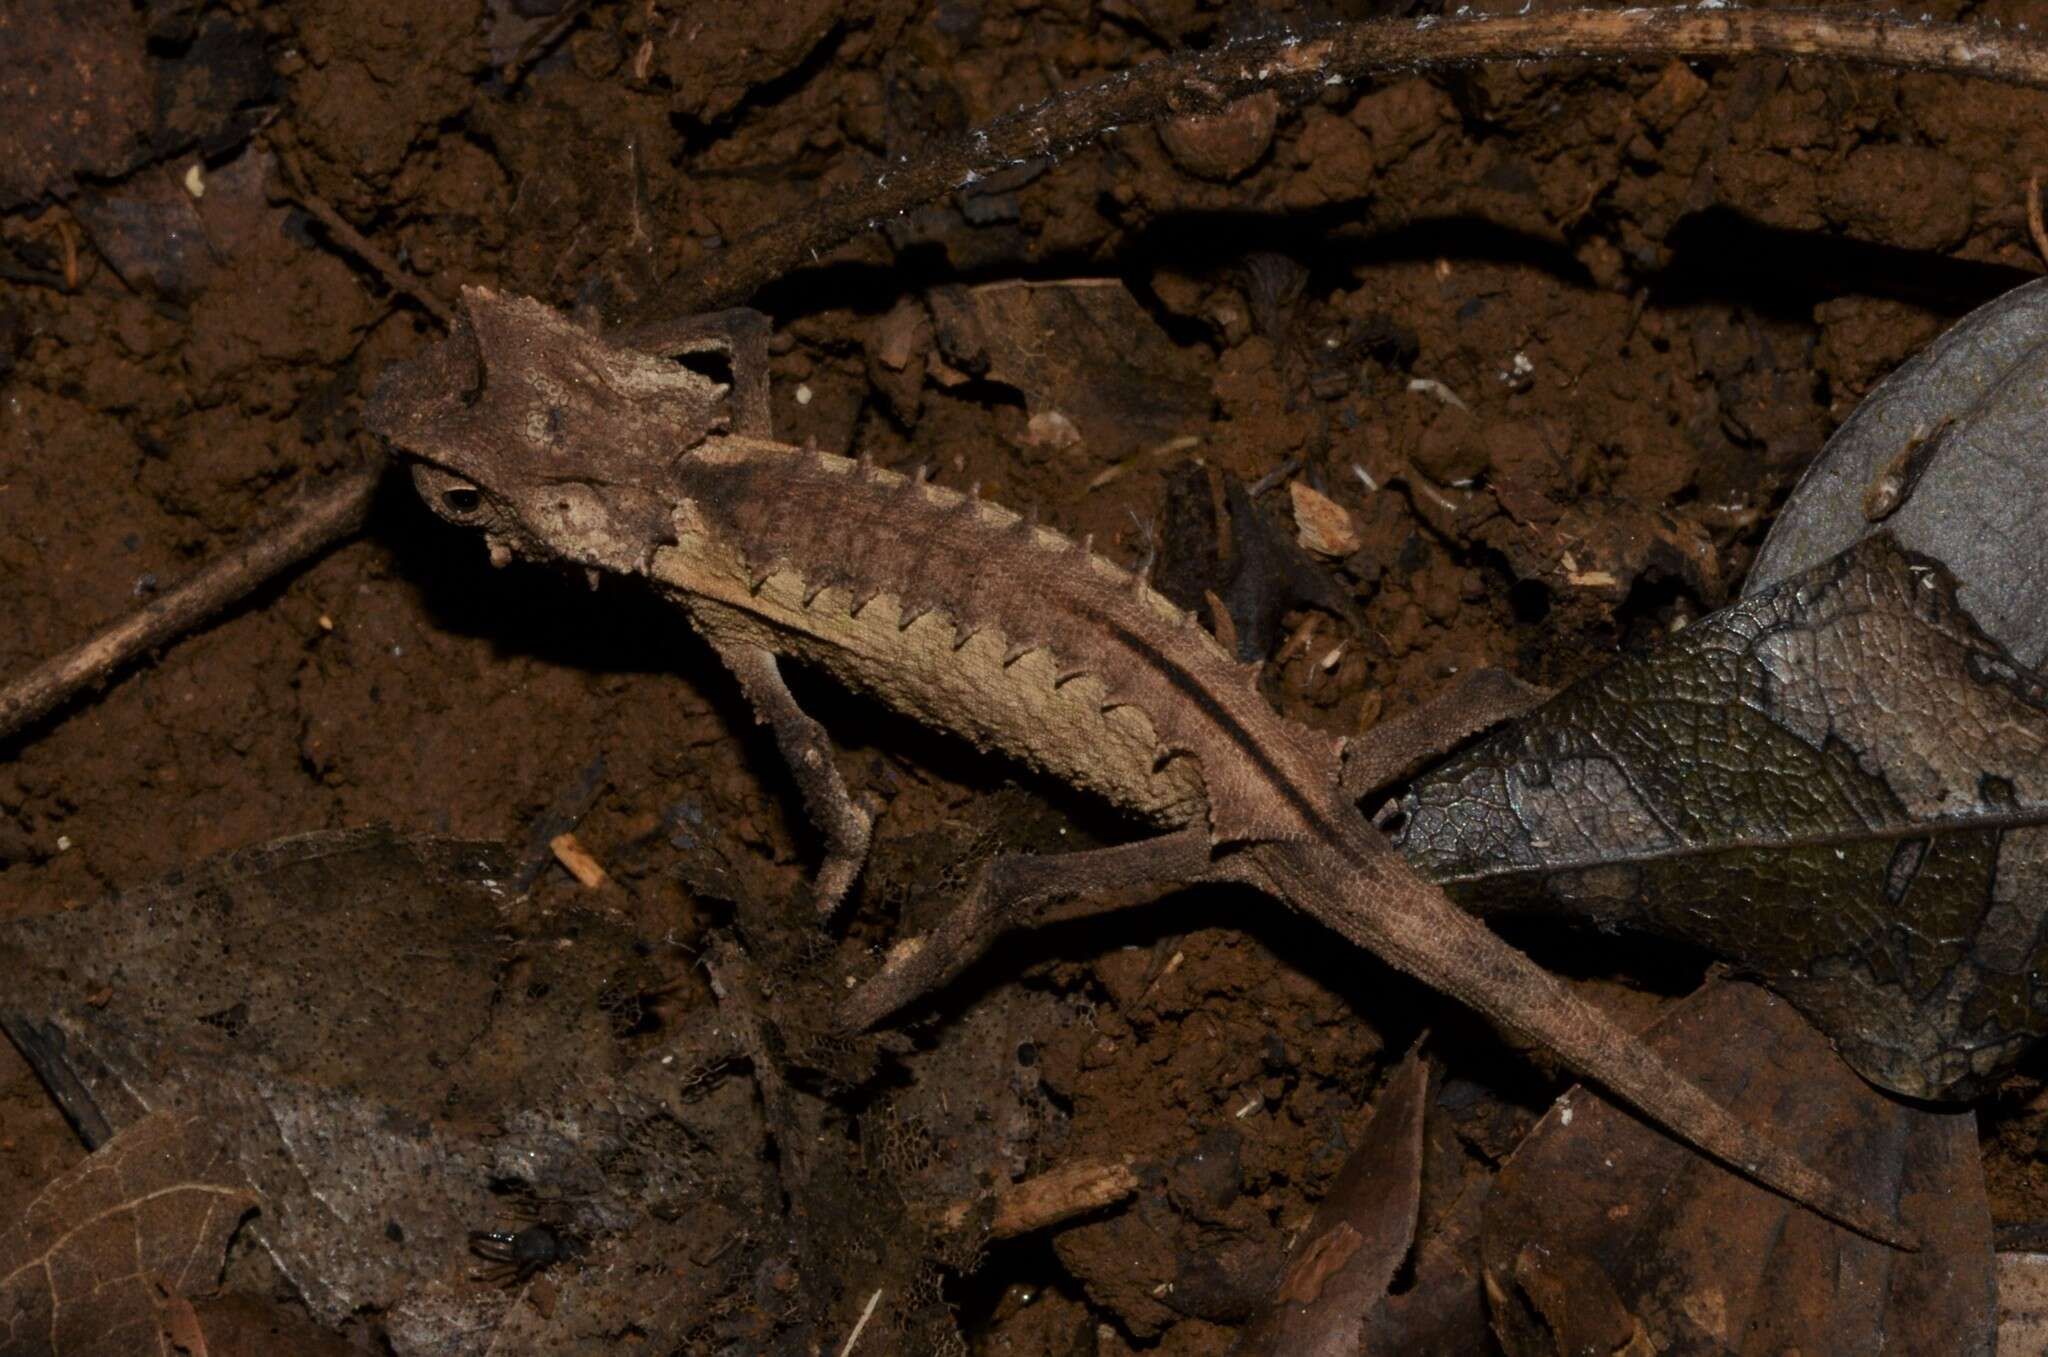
x: 605, y: 453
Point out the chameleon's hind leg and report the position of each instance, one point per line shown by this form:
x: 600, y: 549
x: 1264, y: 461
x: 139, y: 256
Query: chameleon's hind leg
x: 1006, y: 890
x: 846, y: 826
x: 1401, y: 746
x: 741, y: 335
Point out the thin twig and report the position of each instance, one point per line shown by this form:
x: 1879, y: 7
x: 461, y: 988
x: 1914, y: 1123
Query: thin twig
x: 326, y: 516
x: 1299, y: 66
x: 333, y: 511
x: 352, y: 240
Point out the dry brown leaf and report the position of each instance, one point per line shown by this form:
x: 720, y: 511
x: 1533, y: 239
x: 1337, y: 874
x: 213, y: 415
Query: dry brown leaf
x: 1606, y: 1235
x: 99, y: 1264
x: 1839, y: 785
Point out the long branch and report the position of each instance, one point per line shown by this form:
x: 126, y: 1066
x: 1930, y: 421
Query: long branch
x: 333, y: 511
x: 1297, y: 67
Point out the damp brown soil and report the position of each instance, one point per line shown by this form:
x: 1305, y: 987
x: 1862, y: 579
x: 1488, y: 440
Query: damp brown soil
x: 1558, y: 339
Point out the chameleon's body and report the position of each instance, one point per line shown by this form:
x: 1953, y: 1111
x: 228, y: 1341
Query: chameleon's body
x: 1111, y: 688
x: 561, y: 446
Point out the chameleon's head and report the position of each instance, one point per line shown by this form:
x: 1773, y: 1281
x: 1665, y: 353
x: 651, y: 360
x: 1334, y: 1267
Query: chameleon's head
x: 552, y: 442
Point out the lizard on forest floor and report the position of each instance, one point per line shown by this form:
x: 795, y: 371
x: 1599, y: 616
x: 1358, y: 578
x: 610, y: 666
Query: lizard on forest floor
x: 605, y: 453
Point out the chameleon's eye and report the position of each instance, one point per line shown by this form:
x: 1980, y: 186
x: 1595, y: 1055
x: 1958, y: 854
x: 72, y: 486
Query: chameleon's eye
x: 450, y: 496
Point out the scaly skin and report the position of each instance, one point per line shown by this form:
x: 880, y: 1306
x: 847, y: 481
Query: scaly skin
x: 562, y: 447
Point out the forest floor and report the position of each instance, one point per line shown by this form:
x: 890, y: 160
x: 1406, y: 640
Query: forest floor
x: 1559, y: 338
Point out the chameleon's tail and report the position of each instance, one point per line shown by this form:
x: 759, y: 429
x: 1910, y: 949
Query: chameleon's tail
x: 1374, y: 898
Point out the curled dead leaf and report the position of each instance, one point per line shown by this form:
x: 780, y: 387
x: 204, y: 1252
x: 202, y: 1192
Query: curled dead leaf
x: 1947, y: 448
x: 1362, y: 1231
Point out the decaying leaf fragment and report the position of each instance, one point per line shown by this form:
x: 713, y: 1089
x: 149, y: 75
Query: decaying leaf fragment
x: 1607, y: 1236
x: 1838, y: 784
x: 1339, y: 1272
x: 1321, y: 524
x: 104, y: 1257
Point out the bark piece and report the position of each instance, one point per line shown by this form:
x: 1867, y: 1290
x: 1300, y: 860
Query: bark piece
x: 2022, y: 1304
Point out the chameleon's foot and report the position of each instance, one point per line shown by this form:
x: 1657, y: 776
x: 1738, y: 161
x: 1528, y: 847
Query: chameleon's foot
x: 847, y: 838
x: 1005, y: 892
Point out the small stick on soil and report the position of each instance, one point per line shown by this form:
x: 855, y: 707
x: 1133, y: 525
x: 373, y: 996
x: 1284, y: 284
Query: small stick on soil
x: 352, y: 240
x: 557, y: 820
x: 862, y: 1323
x: 1299, y: 66
x: 2034, y: 223
x: 334, y: 510
x: 326, y: 516
x: 1053, y: 1196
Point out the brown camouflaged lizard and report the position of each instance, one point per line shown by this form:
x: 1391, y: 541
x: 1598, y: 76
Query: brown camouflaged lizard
x: 608, y: 454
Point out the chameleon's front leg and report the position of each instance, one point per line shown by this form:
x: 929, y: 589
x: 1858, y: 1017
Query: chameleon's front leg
x: 807, y: 751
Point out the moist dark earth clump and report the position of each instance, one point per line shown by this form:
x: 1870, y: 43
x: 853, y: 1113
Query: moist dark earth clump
x: 1556, y: 338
